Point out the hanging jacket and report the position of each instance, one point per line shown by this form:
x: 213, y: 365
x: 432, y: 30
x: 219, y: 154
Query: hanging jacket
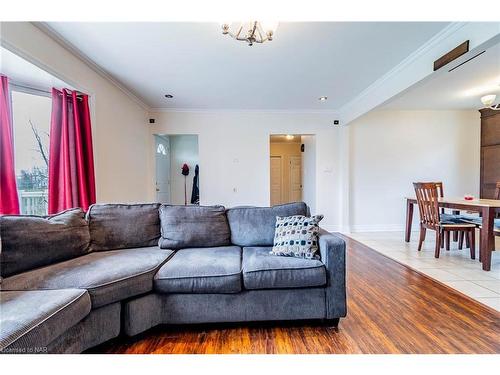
x: 195, y: 195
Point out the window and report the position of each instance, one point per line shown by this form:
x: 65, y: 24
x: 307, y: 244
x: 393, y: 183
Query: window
x: 161, y: 149
x: 31, y: 121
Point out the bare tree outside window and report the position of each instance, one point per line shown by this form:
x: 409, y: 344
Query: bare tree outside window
x: 34, y: 182
x: 31, y: 114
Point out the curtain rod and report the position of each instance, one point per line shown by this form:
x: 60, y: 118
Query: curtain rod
x: 31, y: 88
x: 17, y: 85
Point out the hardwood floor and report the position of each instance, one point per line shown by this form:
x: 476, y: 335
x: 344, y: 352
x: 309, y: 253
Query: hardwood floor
x: 391, y: 309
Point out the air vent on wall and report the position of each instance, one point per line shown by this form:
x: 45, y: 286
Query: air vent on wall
x: 454, y: 54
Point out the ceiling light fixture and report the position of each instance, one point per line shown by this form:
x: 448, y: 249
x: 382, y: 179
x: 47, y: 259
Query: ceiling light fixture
x: 168, y: 96
x: 289, y: 137
x: 488, y: 101
x: 250, y: 32
x: 323, y: 98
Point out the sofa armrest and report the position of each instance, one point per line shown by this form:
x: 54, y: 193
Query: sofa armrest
x: 332, y: 249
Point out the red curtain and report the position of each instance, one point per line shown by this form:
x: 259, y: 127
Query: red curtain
x: 71, y: 159
x: 9, y: 203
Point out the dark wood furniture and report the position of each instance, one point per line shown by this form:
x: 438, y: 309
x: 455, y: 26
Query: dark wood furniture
x: 487, y: 208
x: 497, y: 195
x: 440, y: 188
x: 490, y: 152
x: 430, y: 218
x: 496, y: 230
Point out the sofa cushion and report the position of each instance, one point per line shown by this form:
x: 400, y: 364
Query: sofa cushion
x: 109, y: 276
x: 264, y: 271
x: 193, y: 226
x: 30, y: 320
x: 123, y: 226
x: 254, y: 226
x: 29, y: 242
x: 201, y: 270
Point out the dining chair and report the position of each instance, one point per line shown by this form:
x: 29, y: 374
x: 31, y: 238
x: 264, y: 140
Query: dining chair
x: 430, y: 218
x: 454, y: 216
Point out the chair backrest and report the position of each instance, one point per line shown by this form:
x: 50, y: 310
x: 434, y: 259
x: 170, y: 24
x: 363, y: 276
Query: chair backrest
x: 428, y: 205
x: 440, y: 189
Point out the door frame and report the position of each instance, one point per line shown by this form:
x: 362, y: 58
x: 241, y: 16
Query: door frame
x: 281, y: 178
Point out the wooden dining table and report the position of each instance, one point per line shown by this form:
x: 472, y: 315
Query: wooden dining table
x: 486, y: 207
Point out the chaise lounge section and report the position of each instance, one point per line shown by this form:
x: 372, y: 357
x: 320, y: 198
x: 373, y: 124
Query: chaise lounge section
x: 74, y: 280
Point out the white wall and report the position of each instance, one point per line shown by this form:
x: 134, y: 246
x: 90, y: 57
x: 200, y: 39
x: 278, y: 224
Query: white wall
x: 309, y: 171
x: 363, y: 171
x: 183, y: 149
x: 120, y: 133
x: 389, y: 150
x: 234, y: 154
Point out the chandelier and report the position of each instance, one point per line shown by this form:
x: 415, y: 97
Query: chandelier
x: 488, y: 101
x: 250, y: 32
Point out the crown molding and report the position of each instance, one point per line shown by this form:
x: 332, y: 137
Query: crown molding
x: 249, y: 111
x: 417, y: 54
x: 58, y: 38
x: 71, y: 84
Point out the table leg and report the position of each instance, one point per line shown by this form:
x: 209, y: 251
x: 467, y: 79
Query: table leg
x: 455, y: 233
x: 409, y: 219
x: 487, y: 237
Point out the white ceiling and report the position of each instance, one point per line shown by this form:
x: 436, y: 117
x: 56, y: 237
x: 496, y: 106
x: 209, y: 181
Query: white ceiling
x: 204, y: 69
x: 24, y: 73
x: 461, y: 88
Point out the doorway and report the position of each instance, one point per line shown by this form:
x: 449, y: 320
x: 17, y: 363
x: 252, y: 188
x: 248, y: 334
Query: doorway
x: 292, y: 169
x: 162, y: 147
x: 177, y: 169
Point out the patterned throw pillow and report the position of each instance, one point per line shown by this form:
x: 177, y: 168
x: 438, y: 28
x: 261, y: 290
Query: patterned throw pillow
x: 297, y: 236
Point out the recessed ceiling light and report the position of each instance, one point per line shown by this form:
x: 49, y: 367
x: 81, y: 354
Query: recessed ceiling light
x: 323, y: 98
x: 168, y: 96
x: 289, y: 137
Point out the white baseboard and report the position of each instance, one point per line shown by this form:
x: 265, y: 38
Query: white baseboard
x: 368, y: 228
x: 332, y: 228
x: 380, y: 228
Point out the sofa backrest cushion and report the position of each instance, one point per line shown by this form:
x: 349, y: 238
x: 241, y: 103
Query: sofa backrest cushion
x: 123, y: 226
x: 254, y: 226
x: 30, y: 242
x: 193, y: 226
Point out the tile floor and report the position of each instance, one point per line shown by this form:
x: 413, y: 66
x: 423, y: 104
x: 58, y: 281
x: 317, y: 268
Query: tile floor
x: 453, y: 268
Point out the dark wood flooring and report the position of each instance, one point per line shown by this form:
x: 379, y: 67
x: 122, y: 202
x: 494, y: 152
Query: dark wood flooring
x: 391, y: 309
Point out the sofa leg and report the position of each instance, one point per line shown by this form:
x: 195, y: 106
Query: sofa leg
x: 334, y: 323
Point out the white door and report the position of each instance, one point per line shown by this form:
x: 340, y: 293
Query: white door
x: 295, y: 178
x: 162, y: 148
x: 276, y: 178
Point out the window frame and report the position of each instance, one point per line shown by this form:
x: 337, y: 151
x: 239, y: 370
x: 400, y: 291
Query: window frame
x: 15, y: 87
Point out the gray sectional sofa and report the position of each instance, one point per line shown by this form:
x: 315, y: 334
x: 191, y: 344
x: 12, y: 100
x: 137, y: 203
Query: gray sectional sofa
x: 75, y: 280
